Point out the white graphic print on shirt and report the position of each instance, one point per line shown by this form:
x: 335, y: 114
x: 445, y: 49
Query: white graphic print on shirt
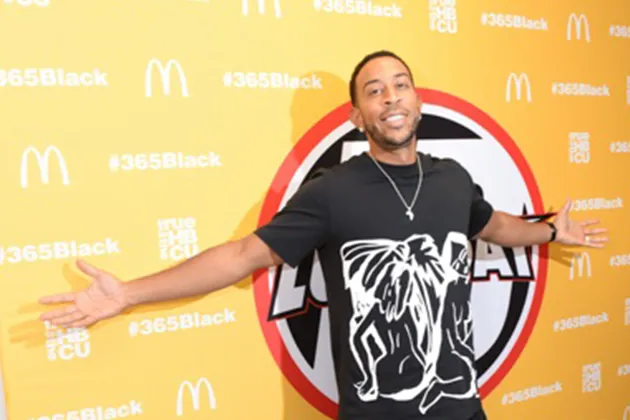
x: 398, y: 291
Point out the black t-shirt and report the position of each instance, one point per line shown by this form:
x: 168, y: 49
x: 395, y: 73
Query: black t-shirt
x: 398, y: 290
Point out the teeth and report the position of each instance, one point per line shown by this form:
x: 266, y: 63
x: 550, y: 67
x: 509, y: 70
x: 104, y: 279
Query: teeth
x: 395, y: 117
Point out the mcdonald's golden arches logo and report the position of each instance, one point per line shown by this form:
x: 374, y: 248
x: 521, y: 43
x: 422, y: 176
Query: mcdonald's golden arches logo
x: 43, y: 161
x: 262, y: 7
x: 165, y: 73
x: 577, y: 22
x: 519, y: 81
x: 195, y: 392
x: 578, y: 263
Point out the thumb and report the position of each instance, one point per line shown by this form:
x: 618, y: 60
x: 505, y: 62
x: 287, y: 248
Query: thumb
x: 89, y: 269
x: 565, y: 208
x: 567, y: 205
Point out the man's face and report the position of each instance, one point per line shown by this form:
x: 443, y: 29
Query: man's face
x: 387, y: 106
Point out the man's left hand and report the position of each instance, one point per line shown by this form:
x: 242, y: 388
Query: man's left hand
x: 571, y: 232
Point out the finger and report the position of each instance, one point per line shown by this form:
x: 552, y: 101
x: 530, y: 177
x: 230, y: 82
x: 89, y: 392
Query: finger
x: 88, y: 320
x: 64, y: 321
x: 594, y: 245
x: 58, y: 298
x: 595, y: 242
x: 589, y: 222
x: 51, y: 315
x: 595, y: 231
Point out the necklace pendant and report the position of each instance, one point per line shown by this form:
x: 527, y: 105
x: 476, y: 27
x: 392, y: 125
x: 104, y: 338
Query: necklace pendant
x: 409, y: 214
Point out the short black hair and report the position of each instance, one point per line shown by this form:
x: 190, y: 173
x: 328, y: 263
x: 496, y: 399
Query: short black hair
x: 367, y: 59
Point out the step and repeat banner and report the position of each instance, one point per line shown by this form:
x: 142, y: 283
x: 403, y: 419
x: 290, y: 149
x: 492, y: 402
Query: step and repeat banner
x: 137, y: 134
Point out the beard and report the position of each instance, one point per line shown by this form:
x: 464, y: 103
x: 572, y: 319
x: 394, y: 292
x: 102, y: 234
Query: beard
x: 389, y: 142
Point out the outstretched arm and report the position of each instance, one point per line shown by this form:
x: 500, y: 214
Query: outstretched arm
x: 510, y: 231
x: 213, y: 269
x: 301, y: 226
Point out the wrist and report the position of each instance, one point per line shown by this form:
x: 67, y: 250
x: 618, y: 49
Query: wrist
x: 554, y: 231
x: 131, y: 297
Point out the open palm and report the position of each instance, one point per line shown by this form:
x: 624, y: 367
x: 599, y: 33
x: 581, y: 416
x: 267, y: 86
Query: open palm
x: 104, y: 298
x: 571, y: 232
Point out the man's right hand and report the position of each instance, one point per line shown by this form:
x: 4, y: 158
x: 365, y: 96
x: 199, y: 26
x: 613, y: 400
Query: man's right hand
x: 104, y: 298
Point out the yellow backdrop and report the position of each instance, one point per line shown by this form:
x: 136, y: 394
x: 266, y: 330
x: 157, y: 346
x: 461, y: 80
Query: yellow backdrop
x: 135, y: 134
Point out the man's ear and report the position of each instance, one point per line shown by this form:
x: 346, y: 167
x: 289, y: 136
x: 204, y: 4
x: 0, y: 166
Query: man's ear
x: 356, y: 119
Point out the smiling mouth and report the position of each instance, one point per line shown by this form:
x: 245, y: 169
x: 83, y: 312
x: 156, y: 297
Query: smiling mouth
x: 395, y: 120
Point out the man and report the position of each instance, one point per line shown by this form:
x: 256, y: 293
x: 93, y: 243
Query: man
x: 391, y: 227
